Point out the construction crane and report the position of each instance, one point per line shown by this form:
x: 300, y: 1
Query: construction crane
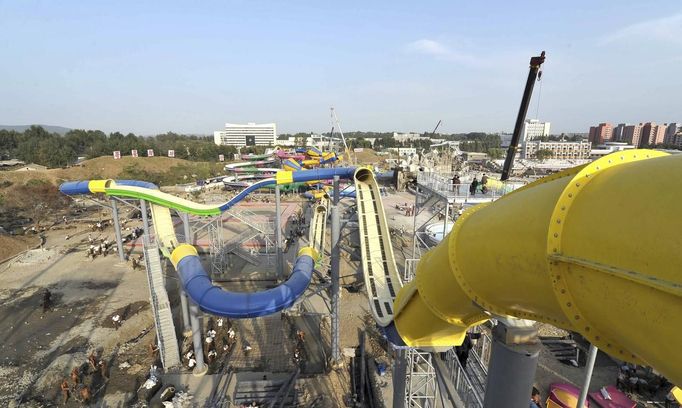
x: 535, y: 63
x: 335, y: 121
x: 436, y: 128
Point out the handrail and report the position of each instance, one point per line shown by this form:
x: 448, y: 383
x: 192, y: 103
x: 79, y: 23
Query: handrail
x: 460, y: 380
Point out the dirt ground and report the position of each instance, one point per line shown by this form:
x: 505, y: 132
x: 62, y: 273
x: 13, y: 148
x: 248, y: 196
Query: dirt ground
x: 12, y: 245
x: 39, y: 348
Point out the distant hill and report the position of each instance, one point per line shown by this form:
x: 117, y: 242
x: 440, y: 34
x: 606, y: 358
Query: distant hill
x: 20, y: 128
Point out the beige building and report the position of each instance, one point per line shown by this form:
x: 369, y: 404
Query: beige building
x: 560, y: 150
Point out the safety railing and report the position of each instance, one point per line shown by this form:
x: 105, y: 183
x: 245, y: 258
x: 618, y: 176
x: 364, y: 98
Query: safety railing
x: 410, y: 269
x: 441, y: 183
x: 463, y: 386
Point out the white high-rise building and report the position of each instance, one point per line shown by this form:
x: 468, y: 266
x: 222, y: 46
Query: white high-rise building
x: 534, y: 129
x: 251, y: 134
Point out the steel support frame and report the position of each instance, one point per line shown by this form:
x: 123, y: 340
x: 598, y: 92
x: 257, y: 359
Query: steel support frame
x: 335, y: 268
x: 421, y: 384
x: 418, y: 243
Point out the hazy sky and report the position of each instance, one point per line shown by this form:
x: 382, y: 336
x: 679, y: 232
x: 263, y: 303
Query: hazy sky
x: 150, y: 67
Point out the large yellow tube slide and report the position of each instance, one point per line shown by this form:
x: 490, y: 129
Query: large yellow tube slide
x: 596, y: 250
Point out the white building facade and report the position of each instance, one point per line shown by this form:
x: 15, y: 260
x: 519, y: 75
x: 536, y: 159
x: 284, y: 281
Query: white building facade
x: 250, y: 134
x: 534, y: 129
x: 406, y: 137
x: 560, y: 150
x: 608, y: 148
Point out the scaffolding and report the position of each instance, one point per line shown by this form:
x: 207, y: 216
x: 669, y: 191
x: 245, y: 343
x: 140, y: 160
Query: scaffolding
x: 421, y: 384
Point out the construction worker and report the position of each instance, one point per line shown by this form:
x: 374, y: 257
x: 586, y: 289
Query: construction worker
x: 154, y: 350
x: 86, y: 396
x: 116, y: 319
x: 64, y: 386
x: 212, y: 354
x: 47, y: 300
x: 92, y: 360
x: 75, y: 376
x: 103, y: 369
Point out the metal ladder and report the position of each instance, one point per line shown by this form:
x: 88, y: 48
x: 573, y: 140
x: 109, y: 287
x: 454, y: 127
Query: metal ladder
x: 163, y: 317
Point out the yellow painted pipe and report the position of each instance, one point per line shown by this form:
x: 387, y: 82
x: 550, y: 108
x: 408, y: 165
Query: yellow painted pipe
x: 596, y: 250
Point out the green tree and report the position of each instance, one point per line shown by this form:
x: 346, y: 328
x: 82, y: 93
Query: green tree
x: 543, y: 154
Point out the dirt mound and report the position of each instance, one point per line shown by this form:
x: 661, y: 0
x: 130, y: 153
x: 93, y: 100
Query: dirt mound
x: 11, y: 245
x: 366, y: 156
x: 108, y: 167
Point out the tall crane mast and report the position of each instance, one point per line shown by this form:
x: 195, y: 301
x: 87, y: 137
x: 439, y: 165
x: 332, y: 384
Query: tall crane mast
x: 335, y: 121
x: 535, y: 63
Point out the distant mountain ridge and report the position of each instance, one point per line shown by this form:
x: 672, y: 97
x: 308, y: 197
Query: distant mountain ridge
x: 50, y: 128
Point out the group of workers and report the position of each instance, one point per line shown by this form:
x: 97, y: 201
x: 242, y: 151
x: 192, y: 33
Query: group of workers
x: 474, y: 186
x: 219, y: 340
x: 98, y: 248
x: 300, y: 347
x: 641, y: 380
x: 77, y: 387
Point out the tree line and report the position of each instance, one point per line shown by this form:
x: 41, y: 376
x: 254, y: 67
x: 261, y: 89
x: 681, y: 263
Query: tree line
x: 36, y: 145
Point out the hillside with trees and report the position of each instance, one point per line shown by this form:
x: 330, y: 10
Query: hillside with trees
x: 37, y: 145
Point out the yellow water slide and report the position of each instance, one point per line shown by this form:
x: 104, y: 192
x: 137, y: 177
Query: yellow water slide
x: 378, y: 263
x: 316, y: 235
x: 595, y: 250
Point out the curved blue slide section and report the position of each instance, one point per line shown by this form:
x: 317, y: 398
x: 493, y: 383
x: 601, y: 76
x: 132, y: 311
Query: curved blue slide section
x: 240, y: 305
x: 248, y: 190
x: 81, y: 187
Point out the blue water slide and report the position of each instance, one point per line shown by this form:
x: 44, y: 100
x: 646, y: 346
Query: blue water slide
x: 248, y: 190
x: 82, y: 187
x: 75, y: 187
x: 239, y: 305
x: 323, y: 174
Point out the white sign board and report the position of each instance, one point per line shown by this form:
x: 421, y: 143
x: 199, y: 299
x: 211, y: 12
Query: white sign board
x: 117, y: 154
x: 221, y: 157
x: 359, y: 149
x: 150, y: 153
x: 171, y: 153
x: 133, y: 153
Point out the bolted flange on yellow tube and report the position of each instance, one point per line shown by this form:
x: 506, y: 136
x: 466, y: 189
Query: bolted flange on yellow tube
x: 432, y: 310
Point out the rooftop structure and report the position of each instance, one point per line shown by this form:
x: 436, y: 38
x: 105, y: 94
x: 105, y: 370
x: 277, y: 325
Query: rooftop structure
x: 652, y: 134
x: 632, y: 134
x: 534, y: 129
x: 608, y: 148
x: 670, y: 132
x: 250, y: 134
x: 406, y: 137
x: 600, y: 133
x: 560, y: 150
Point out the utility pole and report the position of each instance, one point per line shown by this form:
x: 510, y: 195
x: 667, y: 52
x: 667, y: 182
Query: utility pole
x: 535, y: 63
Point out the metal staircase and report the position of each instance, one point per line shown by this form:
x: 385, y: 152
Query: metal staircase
x: 163, y: 317
x: 252, y: 220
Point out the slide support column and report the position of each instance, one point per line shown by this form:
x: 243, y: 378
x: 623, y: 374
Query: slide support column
x: 117, y: 229
x: 279, y: 263
x: 447, y: 214
x: 512, y: 366
x: 589, y: 366
x: 200, y: 368
x: 145, y: 218
x: 399, y: 377
x: 187, y: 230
x: 335, y: 266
